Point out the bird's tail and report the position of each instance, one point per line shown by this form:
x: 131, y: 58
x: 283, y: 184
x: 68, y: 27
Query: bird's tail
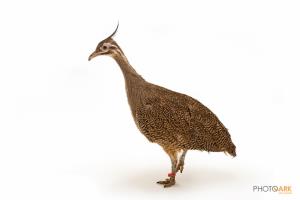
x: 230, y: 150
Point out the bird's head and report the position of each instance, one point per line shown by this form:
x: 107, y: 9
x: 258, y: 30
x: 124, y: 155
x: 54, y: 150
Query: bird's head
x: 106, y: 47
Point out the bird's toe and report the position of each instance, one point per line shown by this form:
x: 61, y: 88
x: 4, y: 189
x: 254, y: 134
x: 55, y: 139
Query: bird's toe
x: 180, y: 167
x: 172, y: 182
x: 166, y: 181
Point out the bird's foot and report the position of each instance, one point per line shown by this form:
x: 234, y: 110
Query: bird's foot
x: 169, y: 181
x: 180, y: 167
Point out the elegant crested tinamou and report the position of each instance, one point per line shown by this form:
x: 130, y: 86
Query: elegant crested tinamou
x: 175, y: 121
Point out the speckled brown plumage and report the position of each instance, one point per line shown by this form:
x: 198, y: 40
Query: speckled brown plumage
x: 175, y: 121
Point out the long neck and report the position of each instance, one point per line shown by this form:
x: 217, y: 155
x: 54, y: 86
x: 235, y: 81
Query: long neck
x: 133, y: 80
x: 127, y: 69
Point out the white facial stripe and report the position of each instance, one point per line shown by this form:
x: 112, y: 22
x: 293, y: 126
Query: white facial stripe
x: 107, y: 44
x: 110, y: 45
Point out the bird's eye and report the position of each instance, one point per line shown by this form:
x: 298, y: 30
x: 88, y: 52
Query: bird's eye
x: 104, y: 47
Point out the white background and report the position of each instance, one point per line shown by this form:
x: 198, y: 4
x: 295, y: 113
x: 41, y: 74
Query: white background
x: 66, y: 130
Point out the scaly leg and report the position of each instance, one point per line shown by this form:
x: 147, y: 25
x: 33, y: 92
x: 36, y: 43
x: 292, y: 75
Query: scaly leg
x: 171, y: 180
x: 181, y: 162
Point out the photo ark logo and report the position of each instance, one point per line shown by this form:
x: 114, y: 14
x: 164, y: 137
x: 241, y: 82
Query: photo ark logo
x: 282, y: 189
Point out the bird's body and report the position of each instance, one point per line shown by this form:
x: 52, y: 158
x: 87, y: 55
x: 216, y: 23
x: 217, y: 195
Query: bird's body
x: 175, y: 121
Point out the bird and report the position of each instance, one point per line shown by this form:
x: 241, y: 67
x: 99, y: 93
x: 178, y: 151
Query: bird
x: 175, y: 121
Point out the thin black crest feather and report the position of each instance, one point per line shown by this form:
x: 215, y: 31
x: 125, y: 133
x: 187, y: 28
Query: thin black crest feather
x: 113, y: 32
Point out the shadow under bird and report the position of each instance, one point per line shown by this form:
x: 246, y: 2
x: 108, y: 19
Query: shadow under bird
x: 175, y: 121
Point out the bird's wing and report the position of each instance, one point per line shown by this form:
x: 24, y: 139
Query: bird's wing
x: 167, y: 116
x: 207, y: 129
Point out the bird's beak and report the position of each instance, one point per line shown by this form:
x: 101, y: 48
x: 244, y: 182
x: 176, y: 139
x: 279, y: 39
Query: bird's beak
x: 94, y: 54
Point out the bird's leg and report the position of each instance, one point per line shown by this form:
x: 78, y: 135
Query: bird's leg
x: 181, y: 162
x: 171, y: 180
